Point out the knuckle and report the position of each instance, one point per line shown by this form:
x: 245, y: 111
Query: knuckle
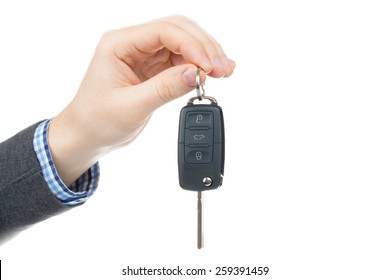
x: 166, y: 25
x: 177, y: 18
x: 107, y: 40
x: 108, y: 35
x: 163, y: 25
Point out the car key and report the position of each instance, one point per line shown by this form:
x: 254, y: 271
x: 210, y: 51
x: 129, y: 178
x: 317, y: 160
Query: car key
x: 201, y: 149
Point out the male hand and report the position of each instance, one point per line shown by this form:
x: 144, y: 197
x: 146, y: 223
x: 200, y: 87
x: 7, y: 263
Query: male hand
x: 134, y: 71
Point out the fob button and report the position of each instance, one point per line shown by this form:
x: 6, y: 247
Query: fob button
x: 199, y: 119
x: 198, y: 136
x: 198, y: 155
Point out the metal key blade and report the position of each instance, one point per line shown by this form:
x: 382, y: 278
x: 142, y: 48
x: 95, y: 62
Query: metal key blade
x: 200, y: 221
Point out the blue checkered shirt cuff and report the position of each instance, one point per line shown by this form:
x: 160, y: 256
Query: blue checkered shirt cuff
x: 74, y: 194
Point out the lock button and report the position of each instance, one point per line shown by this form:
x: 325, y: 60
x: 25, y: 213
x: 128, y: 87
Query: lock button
x: 200, y: 118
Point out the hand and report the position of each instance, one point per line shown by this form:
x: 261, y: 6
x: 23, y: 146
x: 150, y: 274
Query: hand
x: 134, y: 71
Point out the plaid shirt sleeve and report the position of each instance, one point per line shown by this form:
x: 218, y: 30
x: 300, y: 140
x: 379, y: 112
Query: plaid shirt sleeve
x: 74, y: 194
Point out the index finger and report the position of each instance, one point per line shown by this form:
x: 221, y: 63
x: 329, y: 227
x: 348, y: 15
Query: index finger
x: 132, y: 43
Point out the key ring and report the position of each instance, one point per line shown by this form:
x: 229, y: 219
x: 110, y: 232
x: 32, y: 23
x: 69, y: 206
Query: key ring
x: 199, y: 87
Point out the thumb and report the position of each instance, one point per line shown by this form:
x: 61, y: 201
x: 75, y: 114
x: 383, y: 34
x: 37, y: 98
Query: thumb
x: 168, y: 85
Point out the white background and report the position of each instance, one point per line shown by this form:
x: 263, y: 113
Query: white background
x: 307, y: 143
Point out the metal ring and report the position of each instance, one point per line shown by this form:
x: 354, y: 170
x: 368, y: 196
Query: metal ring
x: 209, y: 98
x: 199, y: 87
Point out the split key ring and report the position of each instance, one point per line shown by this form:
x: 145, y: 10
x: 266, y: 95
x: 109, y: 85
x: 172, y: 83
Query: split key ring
x: 200, y: 92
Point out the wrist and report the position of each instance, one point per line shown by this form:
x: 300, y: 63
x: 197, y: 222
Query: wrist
x: 71, y: 150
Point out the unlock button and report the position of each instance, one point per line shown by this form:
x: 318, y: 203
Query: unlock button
x: 198, y: 155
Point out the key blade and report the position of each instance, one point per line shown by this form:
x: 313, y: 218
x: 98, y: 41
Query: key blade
x: 200, y: 220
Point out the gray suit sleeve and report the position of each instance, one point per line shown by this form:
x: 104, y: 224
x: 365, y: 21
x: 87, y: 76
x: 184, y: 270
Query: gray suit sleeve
x: 25, y: 197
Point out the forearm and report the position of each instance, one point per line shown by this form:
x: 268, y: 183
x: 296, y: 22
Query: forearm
x: 24, y: 195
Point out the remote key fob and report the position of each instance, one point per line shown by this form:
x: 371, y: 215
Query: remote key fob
x: 201, y: 149
x: 201, y: 146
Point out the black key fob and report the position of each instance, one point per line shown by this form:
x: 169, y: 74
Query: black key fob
x: 201, y: 146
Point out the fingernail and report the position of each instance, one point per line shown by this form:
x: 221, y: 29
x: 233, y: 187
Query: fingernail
x: 226, y: 62
x: 189, y: 77
x: 232, y: 63
x: 206, y: 64
x: 218, y: 62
